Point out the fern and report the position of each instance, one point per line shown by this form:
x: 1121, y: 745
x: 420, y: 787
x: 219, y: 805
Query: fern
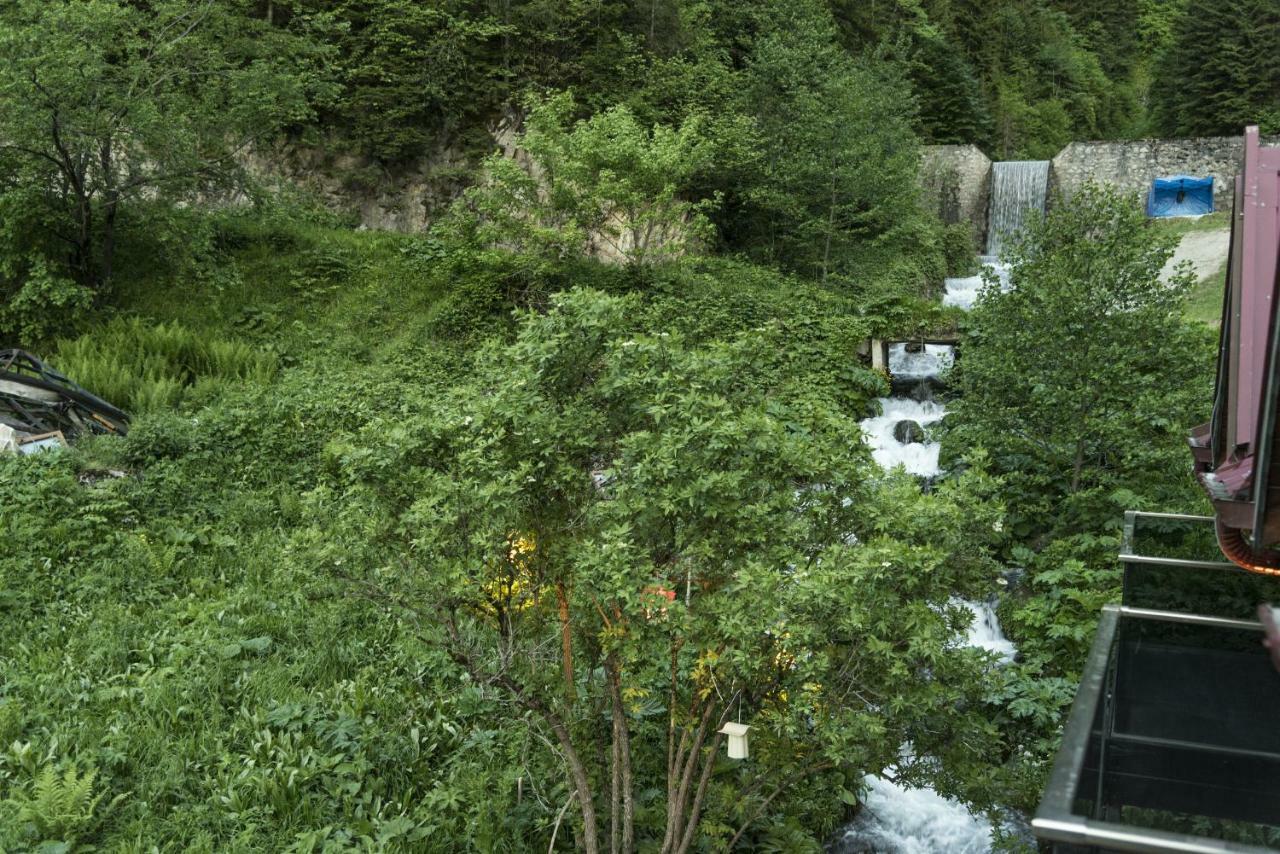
x: 62, y: 807
x: 143, y: 367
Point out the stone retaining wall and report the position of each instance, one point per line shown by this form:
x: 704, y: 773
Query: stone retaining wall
x: 1131, y: 165
x: 956, y: 181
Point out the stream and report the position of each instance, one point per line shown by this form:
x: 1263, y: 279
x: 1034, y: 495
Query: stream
x: 895, y: 819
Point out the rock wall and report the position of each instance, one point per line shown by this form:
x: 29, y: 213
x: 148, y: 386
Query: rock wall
x: 407, y: 200
x: 957, y: 180
x: 1131, y: 165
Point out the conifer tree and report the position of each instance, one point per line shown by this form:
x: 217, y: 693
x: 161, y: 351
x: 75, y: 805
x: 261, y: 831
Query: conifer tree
x: 951, y: 106
x: 1222, y: 71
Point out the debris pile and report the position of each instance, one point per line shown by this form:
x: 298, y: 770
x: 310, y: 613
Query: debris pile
x: 40, y: 408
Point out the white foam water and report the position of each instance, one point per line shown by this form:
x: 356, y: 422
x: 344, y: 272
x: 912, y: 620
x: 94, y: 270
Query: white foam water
x: 919, y: 458
x: 962, y: 291
x: 898, y: 820
x: 985, y: 632
x: 929, y: 362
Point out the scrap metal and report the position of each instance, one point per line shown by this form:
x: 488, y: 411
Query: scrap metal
x: 36, y: 399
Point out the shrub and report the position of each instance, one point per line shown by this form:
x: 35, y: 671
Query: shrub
x: 41, y: 304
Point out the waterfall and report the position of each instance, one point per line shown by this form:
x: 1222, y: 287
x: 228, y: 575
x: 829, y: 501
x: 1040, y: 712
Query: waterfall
x: 917, y: 457
x: 898, y: 820
x: 985, y: 632
x: 1018, y: 187
x: 927, y: 363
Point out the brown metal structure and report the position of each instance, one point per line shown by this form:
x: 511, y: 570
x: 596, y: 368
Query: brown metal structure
x: 1234, y: 455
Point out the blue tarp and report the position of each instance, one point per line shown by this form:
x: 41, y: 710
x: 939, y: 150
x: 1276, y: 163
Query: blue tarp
x: 1180, y: 195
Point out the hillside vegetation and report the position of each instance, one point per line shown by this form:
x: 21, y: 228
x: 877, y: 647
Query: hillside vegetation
x: 474, y: 539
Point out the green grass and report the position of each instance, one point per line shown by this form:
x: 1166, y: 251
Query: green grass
x: 1204, y: 303
x: 1181, y: 225
x: 293, y: 287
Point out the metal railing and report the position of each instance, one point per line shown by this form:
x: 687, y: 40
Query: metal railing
x: 1076, y: 812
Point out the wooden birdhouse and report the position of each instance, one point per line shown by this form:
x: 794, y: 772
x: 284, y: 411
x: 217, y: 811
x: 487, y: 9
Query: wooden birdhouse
x: 737, y: 739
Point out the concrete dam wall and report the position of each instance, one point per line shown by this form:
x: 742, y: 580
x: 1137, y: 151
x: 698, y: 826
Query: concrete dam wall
x: 957, y: 178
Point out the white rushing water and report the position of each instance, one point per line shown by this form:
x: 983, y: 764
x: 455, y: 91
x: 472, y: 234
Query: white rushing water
x: 962, y: 291
x: 900, y: 820
x: 985, y: 632
x: 918, y: 458
x: 930, y: 362
x: 1018, y: 192
x: 896, y: 819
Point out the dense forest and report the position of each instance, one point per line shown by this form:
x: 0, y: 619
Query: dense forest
x: 475, y: 538
x: 1020, y: 78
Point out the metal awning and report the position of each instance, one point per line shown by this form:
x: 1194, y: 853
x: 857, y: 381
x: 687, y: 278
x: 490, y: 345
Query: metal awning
x: 1233, y: 452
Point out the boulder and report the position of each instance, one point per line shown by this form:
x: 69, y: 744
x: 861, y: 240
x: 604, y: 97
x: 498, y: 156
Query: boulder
x: 908, y: 432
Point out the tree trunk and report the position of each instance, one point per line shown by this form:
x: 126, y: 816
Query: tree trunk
x: 82, y: 251
x: 1078, y: 467
x: 586, y: 801
x: 566, y: 644
x: 831, y: 226
x: 622, y: 759
x: 695, y: 809
x: 109, y: 208
x: 677, y: 807
x: 457, y: 650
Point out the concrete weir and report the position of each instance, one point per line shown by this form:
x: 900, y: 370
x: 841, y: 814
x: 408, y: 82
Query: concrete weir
x: 957, y: 179
x: 879, y: 347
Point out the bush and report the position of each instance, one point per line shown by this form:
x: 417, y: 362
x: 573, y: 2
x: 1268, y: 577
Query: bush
x: 42, y: 305
x: 958, y: 248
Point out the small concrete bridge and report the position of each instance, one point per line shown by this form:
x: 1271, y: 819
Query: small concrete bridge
x: 878, y: 348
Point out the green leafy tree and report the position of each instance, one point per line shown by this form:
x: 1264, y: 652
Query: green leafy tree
x: 606, y: 186
x: 106, y: 102
x: 1082, y: 377
x: 1222, y: 70
x: 635, y: 542
x: 1080, y: 380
